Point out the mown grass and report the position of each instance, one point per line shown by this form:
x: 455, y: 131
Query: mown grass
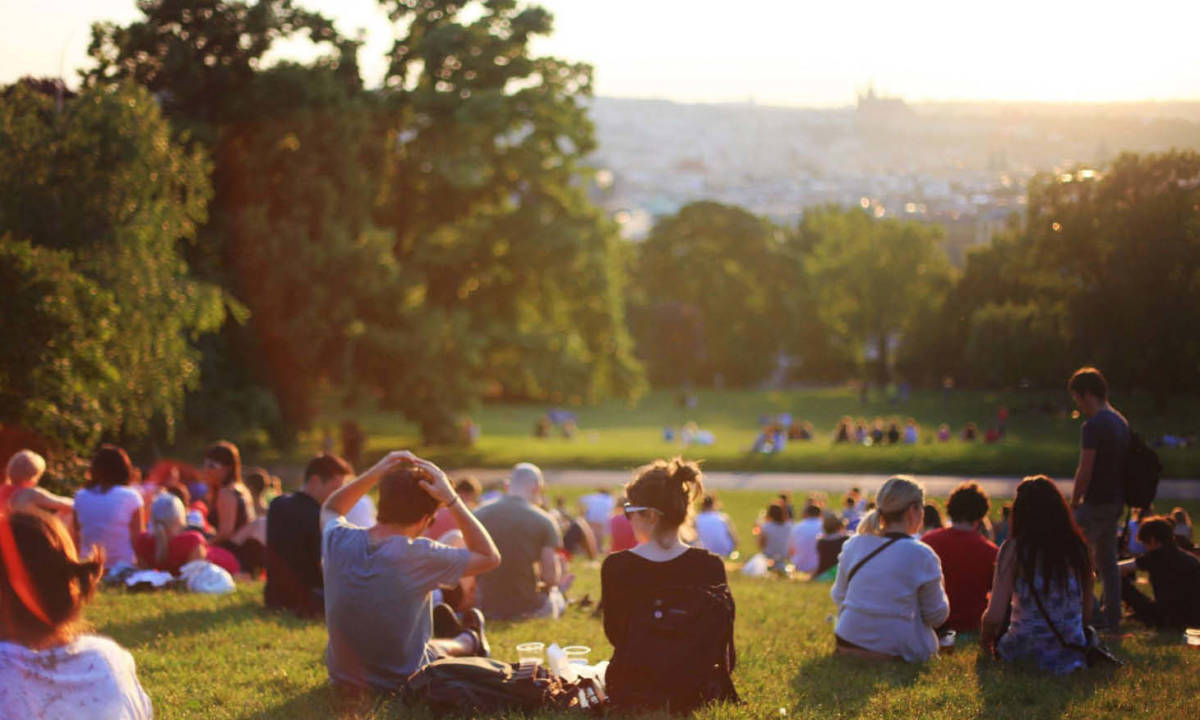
x: 225, y: 657
x: 617, y: 435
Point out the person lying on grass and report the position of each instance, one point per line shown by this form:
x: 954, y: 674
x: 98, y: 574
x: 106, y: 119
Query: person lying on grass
x: 378, y: 580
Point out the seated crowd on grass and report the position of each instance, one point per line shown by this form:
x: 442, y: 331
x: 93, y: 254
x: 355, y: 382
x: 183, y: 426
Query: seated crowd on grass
x: 416, y: 579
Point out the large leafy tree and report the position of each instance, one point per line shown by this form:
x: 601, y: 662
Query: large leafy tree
x: 424, y: 242
x: 515, y: 279
x: 294, y: 178
x: 101, y: 312
x: 712, y: 287
x: 871, y: 277
x: 1121, y: 250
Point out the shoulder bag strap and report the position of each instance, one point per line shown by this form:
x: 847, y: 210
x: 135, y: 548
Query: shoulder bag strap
x: 1046, y: 616
x: 854, y: 570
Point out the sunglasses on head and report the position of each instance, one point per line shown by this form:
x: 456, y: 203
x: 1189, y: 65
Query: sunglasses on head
x: 631, y: 510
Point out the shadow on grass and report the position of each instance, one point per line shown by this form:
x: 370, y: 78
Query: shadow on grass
x: 1022, y: 690
x: 848, y: 684
x: 181, y: 623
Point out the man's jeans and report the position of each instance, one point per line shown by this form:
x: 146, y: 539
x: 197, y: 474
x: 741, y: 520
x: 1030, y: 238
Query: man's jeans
x: 1099, y: 524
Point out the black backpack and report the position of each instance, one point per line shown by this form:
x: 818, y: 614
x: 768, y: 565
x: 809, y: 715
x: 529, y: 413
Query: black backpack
x: 678, y: 652
x: 1142, y: 470
x: 484, y: 687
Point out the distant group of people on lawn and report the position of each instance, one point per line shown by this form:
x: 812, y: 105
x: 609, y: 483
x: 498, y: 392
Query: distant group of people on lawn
x: 775, y: 432
x: 417, y: 578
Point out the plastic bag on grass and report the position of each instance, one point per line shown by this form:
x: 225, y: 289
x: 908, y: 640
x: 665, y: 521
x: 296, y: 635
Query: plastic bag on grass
x: 757, y: 566
x: 205, y: 577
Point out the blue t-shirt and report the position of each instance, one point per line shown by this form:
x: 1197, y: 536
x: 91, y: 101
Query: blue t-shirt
x: 377, y: 607
x: 1107, y: 433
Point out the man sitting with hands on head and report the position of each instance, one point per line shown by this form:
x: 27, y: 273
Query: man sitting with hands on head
x: 378, y: 580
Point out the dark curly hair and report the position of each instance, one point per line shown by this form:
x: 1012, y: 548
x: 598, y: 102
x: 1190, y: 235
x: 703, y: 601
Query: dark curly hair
x: 968, y: 503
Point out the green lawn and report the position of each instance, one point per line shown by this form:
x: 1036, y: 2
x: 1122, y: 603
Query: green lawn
x: 615, y: 435
x: 224, y: 657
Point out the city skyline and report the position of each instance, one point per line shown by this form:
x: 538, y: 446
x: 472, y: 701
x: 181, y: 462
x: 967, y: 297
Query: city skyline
x: 768, y: 52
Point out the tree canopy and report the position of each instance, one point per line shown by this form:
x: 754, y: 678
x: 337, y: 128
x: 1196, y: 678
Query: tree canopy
x: 101, y: 312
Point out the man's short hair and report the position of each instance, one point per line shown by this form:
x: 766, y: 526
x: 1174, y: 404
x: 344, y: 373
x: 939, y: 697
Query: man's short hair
x: 327, y: 467
x: 812, y: 509
x: 468, y: 486
x: 1158, y: 528
x: 402, y: 500
x: 831, y: 522
x: 1088, y: 381
x: 25, y: 467
x: 968, y: 503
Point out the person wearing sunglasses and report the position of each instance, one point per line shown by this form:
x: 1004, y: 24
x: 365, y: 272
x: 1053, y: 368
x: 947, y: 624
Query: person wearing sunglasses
x: 644, y: 582
x: 233, y: 505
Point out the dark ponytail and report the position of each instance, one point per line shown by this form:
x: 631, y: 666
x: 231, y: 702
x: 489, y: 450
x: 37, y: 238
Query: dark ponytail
x: 669, y: 486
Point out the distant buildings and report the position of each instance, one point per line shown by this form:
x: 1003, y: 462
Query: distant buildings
x: 965, y: 167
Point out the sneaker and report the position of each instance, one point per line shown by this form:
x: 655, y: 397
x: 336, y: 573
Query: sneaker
x: 473, y: 622
x: 445, y: 622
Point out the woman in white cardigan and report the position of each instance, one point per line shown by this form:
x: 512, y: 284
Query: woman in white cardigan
x: 889, y: 590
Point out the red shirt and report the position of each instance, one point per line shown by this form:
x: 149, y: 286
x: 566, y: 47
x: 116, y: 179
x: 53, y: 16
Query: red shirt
x: 622, y: 534
x: 968, y: 563
x: 179, y: 549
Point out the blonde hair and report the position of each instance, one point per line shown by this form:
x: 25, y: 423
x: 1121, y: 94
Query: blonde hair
x: 167, y: 511
x: 897, y: 495
x: 25, y: 467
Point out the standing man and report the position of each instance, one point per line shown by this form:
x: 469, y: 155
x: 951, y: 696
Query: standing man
x: 527, y: 583
x: 1097, y: 496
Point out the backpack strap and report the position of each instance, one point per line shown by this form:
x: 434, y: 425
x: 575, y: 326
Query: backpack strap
x: 858, y: 566
x: 1046, y: 616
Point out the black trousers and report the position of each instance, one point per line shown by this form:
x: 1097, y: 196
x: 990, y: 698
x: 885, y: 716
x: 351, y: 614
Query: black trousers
x: 1144, y: 609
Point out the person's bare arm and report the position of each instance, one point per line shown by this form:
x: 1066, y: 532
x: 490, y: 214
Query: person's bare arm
x: 1089, y: 597
x: 137, y: 525
x: 1003, y: 582
x: 226, y: 514
x: 549, y: 563
x: 36, y: 497
x: 1083, y: 475
x: 1128, y: 567
x: 484, y: 554
x: 200, y: 552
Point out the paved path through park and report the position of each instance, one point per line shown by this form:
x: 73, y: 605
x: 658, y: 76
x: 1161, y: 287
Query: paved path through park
x: 937, y: 485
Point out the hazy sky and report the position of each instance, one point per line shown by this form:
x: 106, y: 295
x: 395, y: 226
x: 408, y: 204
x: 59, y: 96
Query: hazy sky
x: 780, y: 52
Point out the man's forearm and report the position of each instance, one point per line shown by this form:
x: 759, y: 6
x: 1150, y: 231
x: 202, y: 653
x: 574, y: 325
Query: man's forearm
x: 345, y: 497
x: 1081, y: 484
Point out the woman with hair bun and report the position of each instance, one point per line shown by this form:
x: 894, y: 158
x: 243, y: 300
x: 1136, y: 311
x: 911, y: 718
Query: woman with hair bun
x: 49, y: 669
x: 641, y: 590
x: 889, y: 590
